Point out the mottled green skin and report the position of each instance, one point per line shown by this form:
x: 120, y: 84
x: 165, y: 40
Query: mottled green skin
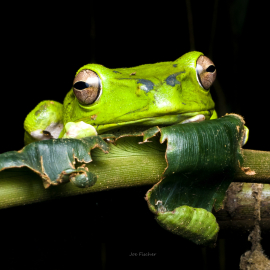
x: 45, y: 113
x: 154, y: 94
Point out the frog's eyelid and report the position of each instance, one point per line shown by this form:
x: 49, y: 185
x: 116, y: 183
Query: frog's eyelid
x: 199, y: 70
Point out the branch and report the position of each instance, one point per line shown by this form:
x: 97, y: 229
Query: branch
x: 239, y: 208
x: 254, y: 161
x: 22, y: 186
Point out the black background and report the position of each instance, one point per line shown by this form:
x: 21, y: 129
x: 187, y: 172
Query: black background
x: 42, y: 48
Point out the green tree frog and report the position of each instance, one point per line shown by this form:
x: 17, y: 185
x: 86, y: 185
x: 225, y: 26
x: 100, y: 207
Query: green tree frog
x: 104, y: 99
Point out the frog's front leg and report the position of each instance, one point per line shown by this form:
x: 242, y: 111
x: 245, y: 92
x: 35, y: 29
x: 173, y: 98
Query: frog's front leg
x: 44, y: 122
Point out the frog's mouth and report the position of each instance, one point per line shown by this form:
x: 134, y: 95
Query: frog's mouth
x: 165, y: 120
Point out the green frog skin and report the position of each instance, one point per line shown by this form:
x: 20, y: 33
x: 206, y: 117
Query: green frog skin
x: 104, y: 99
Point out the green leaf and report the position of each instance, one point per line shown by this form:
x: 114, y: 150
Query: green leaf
x: 127, y: 164
x: 54, y: 160
x: 202, y: 161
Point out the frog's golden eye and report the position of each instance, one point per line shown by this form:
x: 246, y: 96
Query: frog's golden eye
x: 206, y: 72
x: 87, y: 86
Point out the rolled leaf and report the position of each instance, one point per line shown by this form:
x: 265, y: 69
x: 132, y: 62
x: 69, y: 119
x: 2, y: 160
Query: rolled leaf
x: 202, y: 161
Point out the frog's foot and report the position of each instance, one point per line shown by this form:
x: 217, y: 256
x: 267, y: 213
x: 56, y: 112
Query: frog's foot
x: 79, y: 130
x: 196, y: 118
x: 44, y: 122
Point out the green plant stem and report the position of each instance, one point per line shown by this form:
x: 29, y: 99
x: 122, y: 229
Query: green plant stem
x: 257, y: 161
x: 21, y: 186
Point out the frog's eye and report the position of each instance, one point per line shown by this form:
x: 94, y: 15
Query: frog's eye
x: 87, y: 86
x: 206, y: 72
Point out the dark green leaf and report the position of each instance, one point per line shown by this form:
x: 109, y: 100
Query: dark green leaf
x: 54, y: 159
x: 202, y: 161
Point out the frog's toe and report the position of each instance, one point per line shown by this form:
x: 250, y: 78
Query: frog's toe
x: 50, y: 132
x: 79, y: 130
x: 197, y: 118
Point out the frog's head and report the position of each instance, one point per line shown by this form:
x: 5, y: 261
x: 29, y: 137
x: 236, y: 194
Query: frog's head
x: 153, y: 94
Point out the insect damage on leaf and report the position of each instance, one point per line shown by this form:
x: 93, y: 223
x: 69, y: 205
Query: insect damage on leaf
x: 55, y: 160
x: 200, y: 170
